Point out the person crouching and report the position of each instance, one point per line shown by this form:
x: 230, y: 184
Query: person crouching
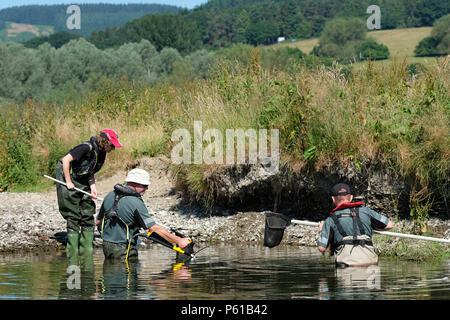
x: 123, y: 213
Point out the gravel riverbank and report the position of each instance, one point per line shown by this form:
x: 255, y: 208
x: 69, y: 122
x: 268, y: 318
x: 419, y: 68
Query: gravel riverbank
x: 29, y: 221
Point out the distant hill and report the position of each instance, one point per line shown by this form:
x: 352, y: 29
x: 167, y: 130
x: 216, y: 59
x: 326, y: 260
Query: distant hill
x: 19, y: 32
x: 93, y: 16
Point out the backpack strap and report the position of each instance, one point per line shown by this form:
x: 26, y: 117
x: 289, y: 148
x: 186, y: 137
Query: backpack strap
x: 120, y: 192
x: 338, y: 225
x: 357, y: 224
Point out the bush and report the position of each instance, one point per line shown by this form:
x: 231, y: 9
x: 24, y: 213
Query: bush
x: 341, y: 39
x: 372, y: 50
x: 262, y: 32
x: 56, y: 40
x: 426, y: 48
x: 344, y: 40
x: 439, y: 41
x: 281, y: 58
x: 17, y: 166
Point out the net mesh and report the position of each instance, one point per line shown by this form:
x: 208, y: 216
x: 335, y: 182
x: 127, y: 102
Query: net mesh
x: 274, y: 228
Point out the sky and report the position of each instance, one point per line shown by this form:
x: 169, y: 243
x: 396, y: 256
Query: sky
x: 179, y: 3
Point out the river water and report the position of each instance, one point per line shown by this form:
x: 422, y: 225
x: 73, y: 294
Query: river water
x: 220, y: 272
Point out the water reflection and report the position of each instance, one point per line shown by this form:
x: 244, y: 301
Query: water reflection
x: 78, y: 282
x: 220, y: 272
x: 358, y: 282
x: 121, y: 280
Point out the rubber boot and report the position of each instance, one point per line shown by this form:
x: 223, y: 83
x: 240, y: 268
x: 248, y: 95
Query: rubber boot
x: 72, y: 245
x: 86, y: 243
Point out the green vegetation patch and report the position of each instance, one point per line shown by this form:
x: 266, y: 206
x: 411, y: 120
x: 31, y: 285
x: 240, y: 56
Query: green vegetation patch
x: 409, y: 249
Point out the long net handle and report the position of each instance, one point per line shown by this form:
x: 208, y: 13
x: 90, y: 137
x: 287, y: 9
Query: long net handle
x: 63, y: 183
x: 387, y: 233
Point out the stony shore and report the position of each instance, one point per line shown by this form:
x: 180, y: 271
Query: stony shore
x: 29, y: 221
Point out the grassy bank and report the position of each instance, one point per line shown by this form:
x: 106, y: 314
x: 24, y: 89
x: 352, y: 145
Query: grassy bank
x: 323, y: 114
x: 410, y: 249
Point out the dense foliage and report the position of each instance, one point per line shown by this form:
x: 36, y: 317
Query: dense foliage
x: 220, y: 23
x: 69, y: 72
x: 438, y: 43
x: 344, y: 39
x: 56, y: 40
x: 61, y: 74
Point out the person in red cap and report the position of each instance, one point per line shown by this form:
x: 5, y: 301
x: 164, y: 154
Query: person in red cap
x: 77, y: 169
x: 348, y: 229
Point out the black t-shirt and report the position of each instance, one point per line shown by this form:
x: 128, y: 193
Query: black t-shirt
x: 79, y: 151
x: 86, y: 162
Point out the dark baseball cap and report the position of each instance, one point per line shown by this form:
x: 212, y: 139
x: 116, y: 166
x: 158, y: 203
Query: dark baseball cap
x: 340, y: 189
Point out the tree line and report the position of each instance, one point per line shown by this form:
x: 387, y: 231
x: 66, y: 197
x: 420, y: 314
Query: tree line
x: 58, y: 71
x: 50, y: 74
x: 221, y: 23
x: 77, y: 68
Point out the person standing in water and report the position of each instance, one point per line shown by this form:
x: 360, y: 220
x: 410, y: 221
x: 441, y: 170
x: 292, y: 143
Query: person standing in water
x: 123, y: 213
x: 348, y: 230
x: 77, y: 169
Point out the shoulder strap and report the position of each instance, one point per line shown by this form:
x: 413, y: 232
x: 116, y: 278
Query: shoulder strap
x: 89, y: 145
x: 111, y: 213
x: 357, y: 224
x: 92, y: 158
x: 138, y: 221
x: 357, y: 221
x: 120, y: 192
x: 338, y: 225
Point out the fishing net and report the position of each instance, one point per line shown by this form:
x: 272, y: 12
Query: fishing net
x: 274, y: 228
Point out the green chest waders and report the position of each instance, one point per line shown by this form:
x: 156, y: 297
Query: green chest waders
x: 75, y: 207
x: 78, y: 210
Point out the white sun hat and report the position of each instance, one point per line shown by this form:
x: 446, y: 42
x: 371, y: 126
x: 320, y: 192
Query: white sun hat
x: 138, y: 176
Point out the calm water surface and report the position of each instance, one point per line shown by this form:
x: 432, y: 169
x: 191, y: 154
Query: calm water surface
x: 220, y: 272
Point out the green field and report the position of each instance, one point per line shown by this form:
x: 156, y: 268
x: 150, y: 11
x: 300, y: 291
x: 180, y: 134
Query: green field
x: 19, y: 32
x: 401, y: 44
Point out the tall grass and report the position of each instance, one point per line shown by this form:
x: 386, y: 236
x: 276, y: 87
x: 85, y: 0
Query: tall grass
x: 324, y: 114
x: 379, y: 113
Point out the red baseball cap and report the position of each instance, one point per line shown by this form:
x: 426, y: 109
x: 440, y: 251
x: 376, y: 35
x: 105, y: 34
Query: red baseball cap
x: 112, y: 137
